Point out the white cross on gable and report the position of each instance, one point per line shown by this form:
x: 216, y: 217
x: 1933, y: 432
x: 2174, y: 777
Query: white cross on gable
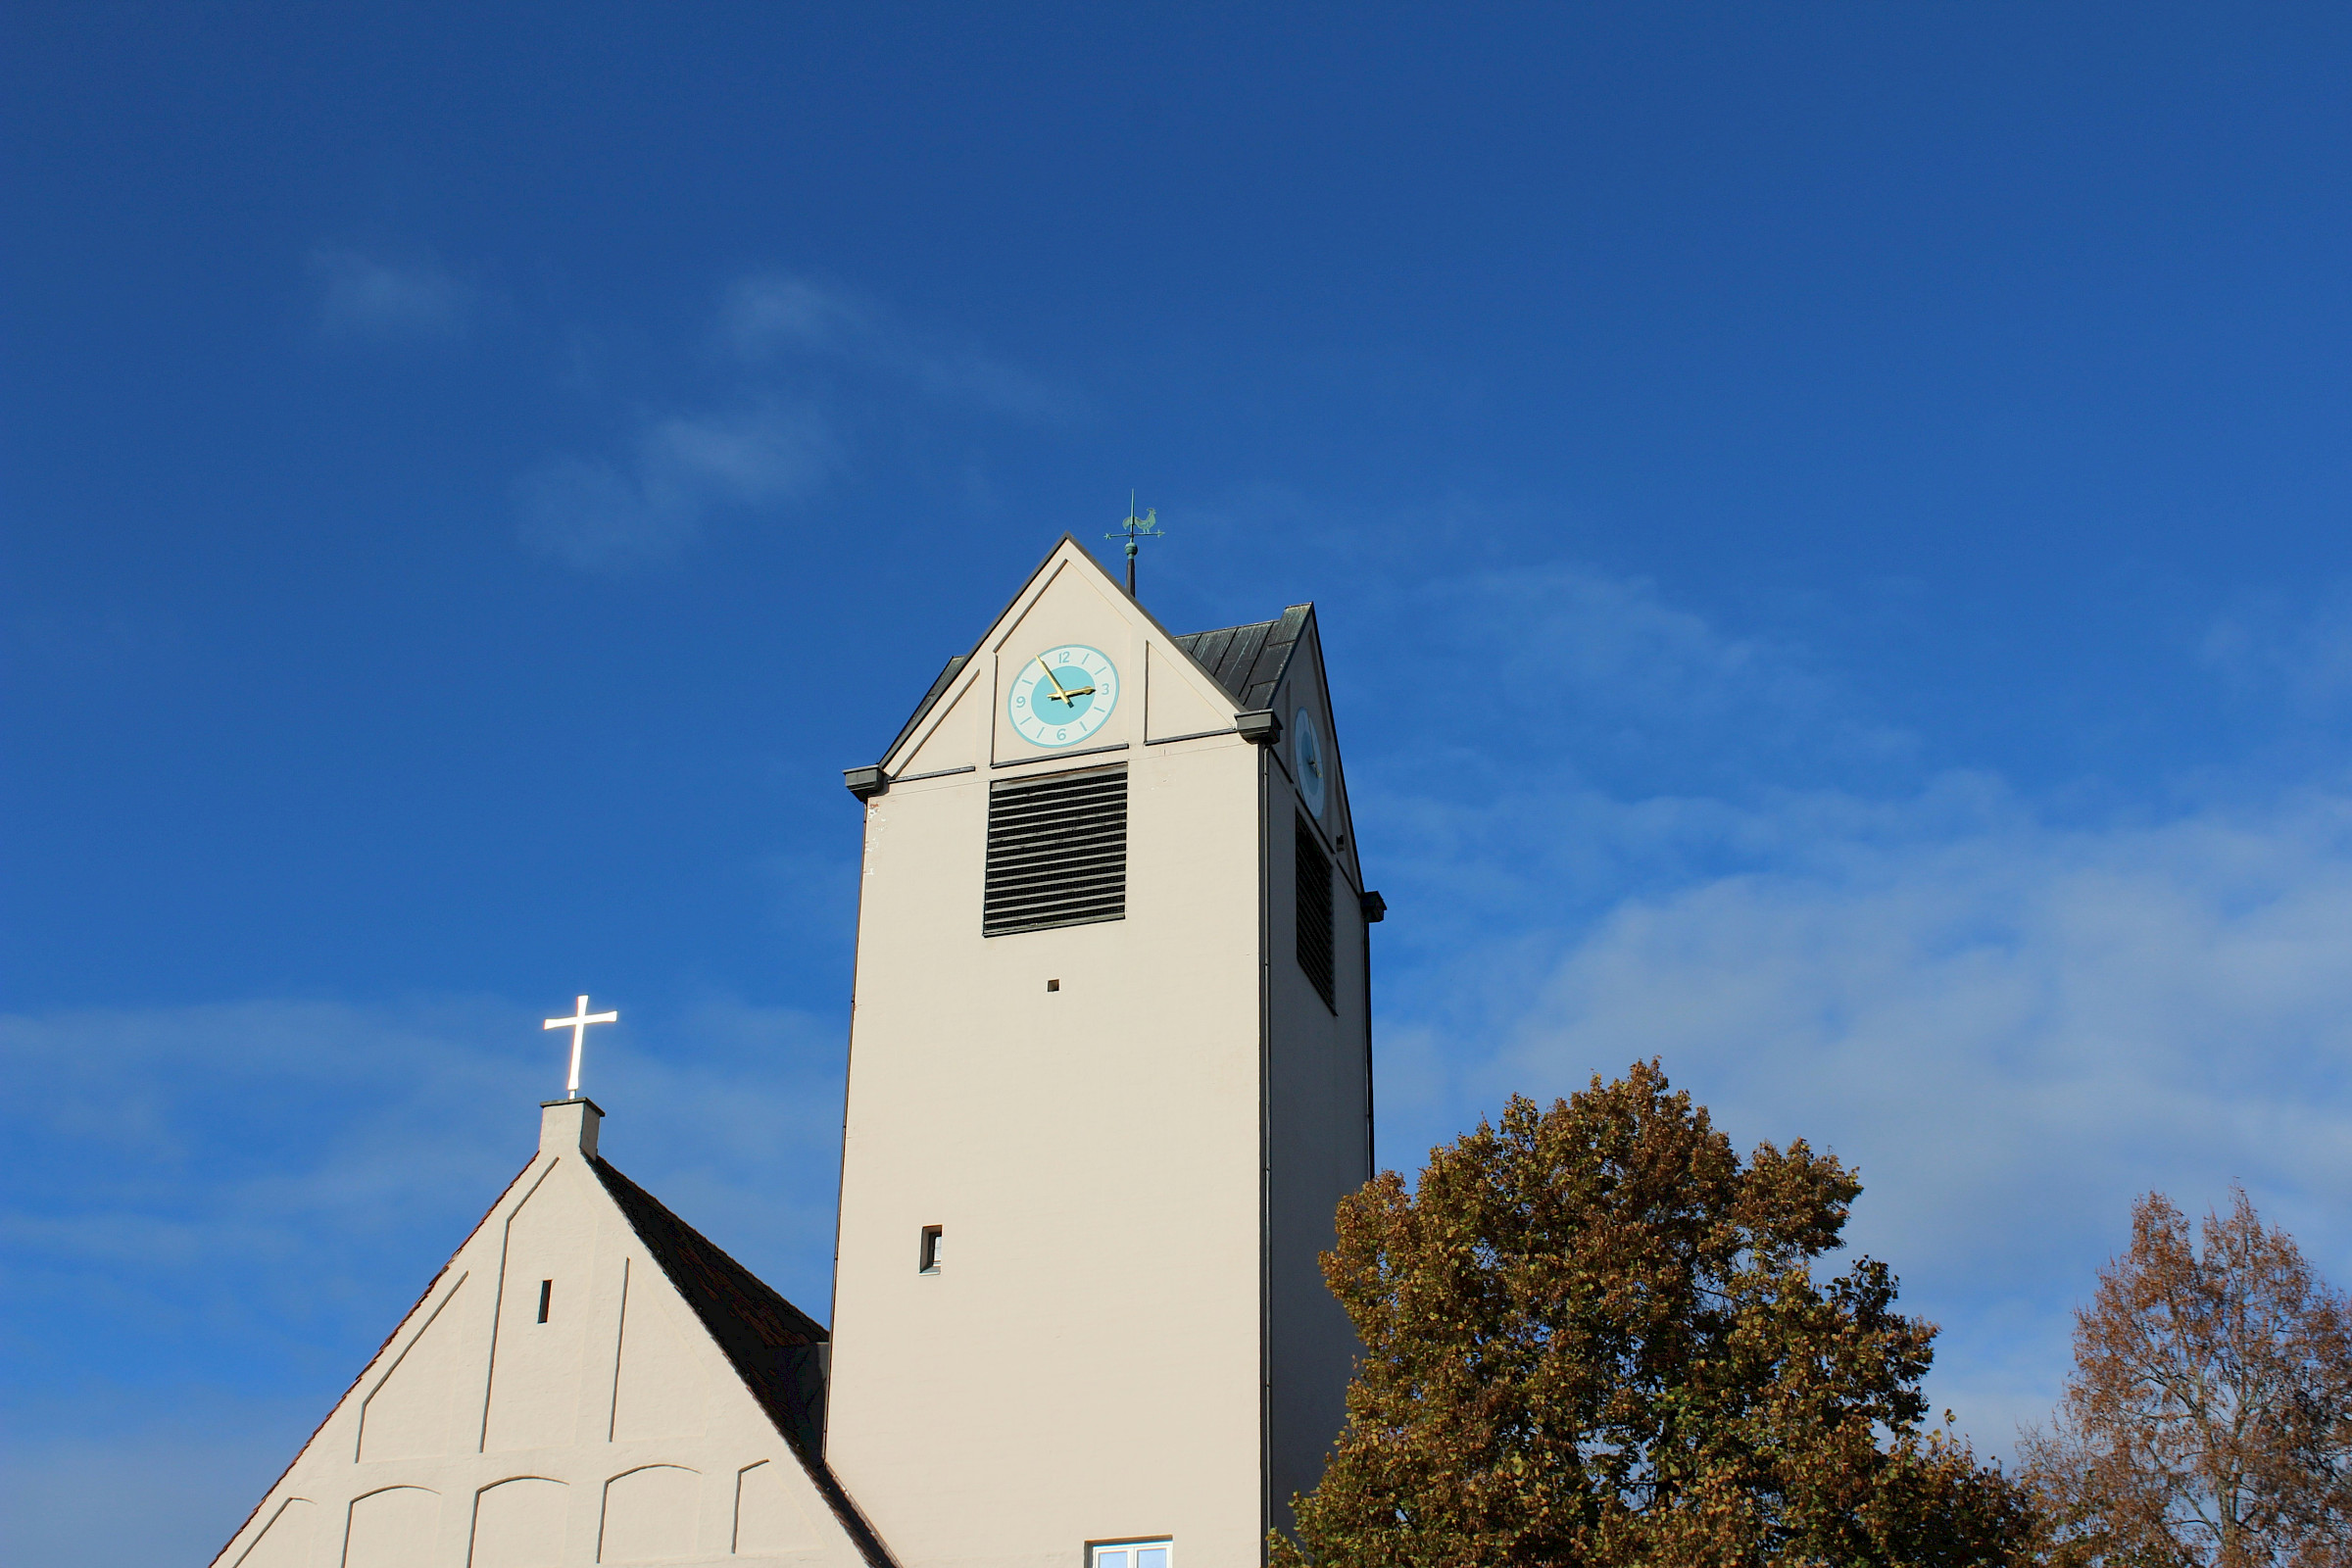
x: 578, y: 1024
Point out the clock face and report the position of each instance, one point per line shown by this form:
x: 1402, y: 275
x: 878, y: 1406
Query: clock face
x: 1062, y: 696
x: 1307, y: 752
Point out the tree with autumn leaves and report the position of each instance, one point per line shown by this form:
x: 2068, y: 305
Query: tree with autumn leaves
x: 2208, y: 1423
x: 1592, y: 1335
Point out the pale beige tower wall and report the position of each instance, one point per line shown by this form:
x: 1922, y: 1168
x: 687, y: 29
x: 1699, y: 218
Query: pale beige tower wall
x: 481, y: 1437
x: 1124, y: 1338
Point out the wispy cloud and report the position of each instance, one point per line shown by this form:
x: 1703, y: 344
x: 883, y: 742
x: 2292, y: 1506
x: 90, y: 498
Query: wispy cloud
x: 2269, y: 649
x: 606, y: 516
x: 1609, y: 675
x: 217, y: 1172
x: 371, y: 299
x: 773, y: 316
x: 776, y: 312
x: 813, y: 372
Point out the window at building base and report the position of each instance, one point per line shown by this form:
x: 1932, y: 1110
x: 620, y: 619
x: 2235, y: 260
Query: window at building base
x: 1056, y: 852
x: 1314, y: 912
x: 1132, y: 1554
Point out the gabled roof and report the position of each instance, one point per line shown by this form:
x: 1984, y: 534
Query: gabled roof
x: 772, y: 1345
x: 1248, y: 661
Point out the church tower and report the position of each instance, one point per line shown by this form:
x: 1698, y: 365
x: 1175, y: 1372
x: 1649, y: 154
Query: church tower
x: 1109, y: 1077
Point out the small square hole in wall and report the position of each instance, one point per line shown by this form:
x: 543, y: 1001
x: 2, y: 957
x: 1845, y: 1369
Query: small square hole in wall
x: 547, y: 1291
x: 1052, y: 985
x: 927, y: 1258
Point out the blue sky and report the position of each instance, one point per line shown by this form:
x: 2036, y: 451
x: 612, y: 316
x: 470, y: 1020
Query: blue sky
x: 1828, y: 522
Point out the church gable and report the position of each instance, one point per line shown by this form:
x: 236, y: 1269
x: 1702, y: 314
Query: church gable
x: 589, y: 1380
x: 1302, y: 689
x: 968, y: 718
x: 1277, y: 665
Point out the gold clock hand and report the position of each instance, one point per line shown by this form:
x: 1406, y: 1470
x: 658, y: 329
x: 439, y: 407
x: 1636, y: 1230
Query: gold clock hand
x: 1050, y: 675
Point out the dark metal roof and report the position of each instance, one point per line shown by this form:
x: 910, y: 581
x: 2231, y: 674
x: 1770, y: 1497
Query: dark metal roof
x: 1249, y: 660
x: 775, y: 1348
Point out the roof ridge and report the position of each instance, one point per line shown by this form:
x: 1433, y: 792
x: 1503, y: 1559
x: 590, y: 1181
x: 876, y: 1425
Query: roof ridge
x: 1249, y: 667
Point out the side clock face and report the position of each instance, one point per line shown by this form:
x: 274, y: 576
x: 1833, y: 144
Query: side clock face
x: 1062, y: 696
x: 1306, y: 753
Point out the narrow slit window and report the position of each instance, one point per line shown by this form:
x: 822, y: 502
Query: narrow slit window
x: 927, y: 1254
x: 1056, y: 852
x: 1315, y: 955
x: 547, y: 1292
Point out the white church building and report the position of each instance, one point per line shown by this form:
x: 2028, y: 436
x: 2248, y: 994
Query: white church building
x: 1110, y: 1075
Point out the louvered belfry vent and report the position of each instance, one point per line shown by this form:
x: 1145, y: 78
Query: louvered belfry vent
x: 1314, y: 911
x: 1056, y: 852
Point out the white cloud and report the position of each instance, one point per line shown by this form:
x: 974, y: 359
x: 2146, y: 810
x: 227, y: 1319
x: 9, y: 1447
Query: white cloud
x: 2271, y: 654
x: 815, y: 366
x: 2012, y: 1032
x: 1605, y: 673
x: 773, y: 314
x: 219, y: 1171
x: 602, y: 516
x: 363, y: 297
x: 2012, y: 1025
x: 775, y: 310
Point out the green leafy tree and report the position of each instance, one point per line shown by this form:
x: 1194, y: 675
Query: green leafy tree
x: 1592, y: 1335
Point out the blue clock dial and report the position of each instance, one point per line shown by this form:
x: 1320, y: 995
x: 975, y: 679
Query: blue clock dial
x: 1306, y: 756
x: 1062, y: 696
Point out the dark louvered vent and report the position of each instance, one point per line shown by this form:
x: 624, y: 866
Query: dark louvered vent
x: 1056, y: 852
x: 1314, y: 911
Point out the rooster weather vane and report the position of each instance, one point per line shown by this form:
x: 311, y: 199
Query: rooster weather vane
x: 1134, y: 530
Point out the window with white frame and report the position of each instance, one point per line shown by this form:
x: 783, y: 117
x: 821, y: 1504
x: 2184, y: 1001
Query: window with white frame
x: 1131, y: 1554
